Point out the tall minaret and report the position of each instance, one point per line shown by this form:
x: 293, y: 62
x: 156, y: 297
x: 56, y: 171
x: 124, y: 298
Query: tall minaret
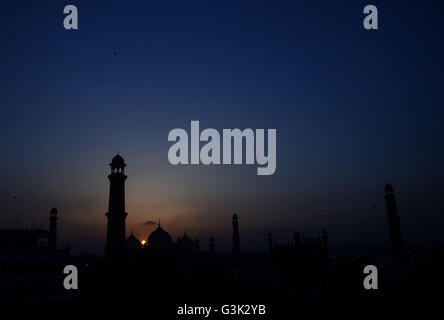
x: 115, y: 237
x: 52, y: 237
x: 396, y: 239
x: 236, y: 243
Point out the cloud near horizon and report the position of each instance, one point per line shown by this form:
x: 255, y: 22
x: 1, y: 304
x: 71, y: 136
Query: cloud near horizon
x: 149, y: 223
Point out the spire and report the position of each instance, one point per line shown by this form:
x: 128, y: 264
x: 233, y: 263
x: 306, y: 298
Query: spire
x: 396, y: 238
x: 270, y: 243
x: 52, y: 236
x: 296, y: 238
x: 236, y: 243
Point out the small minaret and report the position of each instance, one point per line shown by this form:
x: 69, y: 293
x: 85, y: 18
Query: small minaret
x: 115, y: 237
x: 396, y: 238
x: 52, y: 237
x: 236, y: 241
x: 211, y: 244
x: 270, y: 243
x: 296, y: 238
x: 324, y: 237
x: 197, y: 245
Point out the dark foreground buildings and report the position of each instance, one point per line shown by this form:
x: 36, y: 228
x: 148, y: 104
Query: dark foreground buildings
x: 31, y: 264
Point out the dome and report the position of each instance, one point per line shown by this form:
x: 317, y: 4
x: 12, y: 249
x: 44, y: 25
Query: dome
x: 133, y: 244
x: 234, y: 216
x: 159, y: 239
x: 53, y: 211
x: 117, y: 162
x: 388, y: 188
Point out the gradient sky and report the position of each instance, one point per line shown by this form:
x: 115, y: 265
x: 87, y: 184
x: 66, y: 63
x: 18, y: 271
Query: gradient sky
x: 353, y: 109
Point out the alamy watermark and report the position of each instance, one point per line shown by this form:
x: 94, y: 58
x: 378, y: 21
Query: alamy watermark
x: 370, y: 22
x: 253, y: 142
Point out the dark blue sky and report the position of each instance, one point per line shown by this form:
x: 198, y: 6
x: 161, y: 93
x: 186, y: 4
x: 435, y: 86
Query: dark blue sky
x: 353, y: 110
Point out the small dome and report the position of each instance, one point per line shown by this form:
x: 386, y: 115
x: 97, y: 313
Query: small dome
x: 133, y: 244
x: 117, y: 162
x: 234, y: 216
x: 53, y: 211
x: 159, y: 239
x: 388, y: 188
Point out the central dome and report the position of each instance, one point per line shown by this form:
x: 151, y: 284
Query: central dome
x: 159, y: 239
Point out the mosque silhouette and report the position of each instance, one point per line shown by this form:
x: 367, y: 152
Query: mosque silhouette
x: 159, y: 241
x: 31, y: 264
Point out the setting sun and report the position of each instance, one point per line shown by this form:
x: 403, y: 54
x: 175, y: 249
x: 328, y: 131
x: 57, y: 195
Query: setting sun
x: 143, y: 242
